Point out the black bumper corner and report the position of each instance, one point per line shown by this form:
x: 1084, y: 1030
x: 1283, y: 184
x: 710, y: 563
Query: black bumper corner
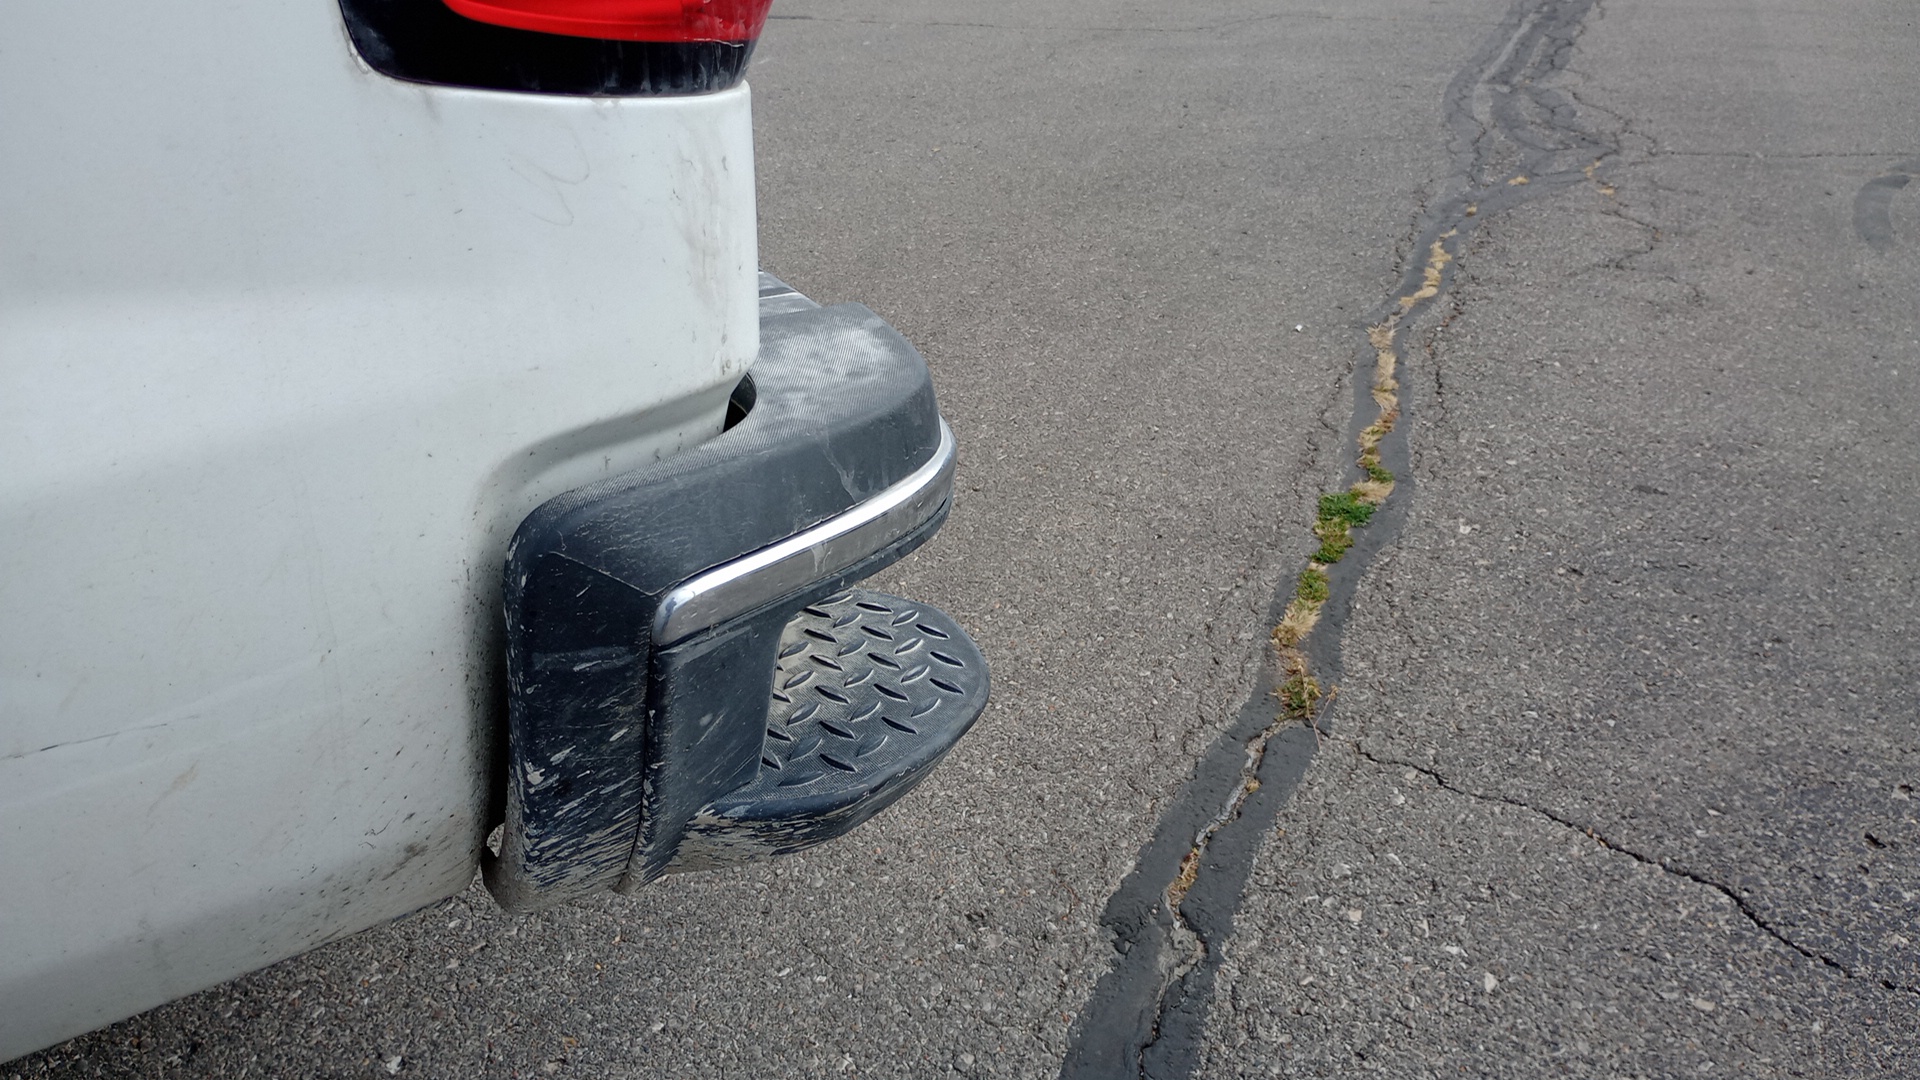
x: 689, y: 686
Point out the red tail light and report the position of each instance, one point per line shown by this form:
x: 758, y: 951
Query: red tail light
x: 603, y: 48
x: 626, y: 20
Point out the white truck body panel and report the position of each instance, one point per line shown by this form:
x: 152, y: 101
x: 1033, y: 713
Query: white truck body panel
x: 287, y: 349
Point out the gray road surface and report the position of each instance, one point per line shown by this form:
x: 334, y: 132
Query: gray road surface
x: 1622, y: 779
x: 1619, y: 778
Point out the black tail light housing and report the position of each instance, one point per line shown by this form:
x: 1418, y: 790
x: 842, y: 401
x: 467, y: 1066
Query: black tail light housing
x: 576, y: 47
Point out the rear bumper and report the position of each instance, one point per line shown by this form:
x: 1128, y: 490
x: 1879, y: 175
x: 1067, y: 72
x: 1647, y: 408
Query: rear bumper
x: 646, y: 615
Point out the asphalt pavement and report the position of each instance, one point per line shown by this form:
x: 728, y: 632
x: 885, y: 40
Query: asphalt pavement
x: 1621, y: 776
x: 1615, y: 771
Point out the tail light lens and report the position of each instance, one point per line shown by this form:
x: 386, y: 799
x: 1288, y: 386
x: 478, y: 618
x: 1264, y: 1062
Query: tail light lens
x: 625, y: 20
x: 597, y: 47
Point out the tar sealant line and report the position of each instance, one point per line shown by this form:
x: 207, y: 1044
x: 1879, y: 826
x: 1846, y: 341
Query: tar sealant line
x: 1873, y: 206
x: 1515, y: 139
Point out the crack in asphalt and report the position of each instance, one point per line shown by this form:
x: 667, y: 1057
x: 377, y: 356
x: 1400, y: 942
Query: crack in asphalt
x: 1514, y: 138
x: 1739, y: 902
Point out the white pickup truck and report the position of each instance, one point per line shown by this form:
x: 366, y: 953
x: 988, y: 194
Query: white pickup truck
x: 407, y: 470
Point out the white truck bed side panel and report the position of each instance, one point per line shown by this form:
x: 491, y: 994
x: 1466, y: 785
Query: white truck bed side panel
x: 287, y: 349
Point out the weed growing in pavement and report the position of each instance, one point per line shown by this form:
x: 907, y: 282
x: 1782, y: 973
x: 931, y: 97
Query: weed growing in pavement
x: 1333, y: 547
x: 1340, y: 513
x: 1296, y: 624
x: 1299, y: 695
x: 1313, y: 586
x: 1346, y: 508
x: 1372, y: 491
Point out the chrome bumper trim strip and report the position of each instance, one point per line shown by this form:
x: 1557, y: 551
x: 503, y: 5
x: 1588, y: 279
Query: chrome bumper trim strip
x: 750, y: 581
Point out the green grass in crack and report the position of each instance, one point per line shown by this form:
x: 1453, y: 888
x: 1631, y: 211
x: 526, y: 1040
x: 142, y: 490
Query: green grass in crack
x: 1340, y: 514
x: 1332, y: 548
x: 1345, y: 507
x: 1313, y: 587
x: 1299, y: 695
x: 1378, y: 473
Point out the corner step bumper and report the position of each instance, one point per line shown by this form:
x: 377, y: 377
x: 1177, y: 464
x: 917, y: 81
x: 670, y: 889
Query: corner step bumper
x: 691, y: 684
x: 869, y: 692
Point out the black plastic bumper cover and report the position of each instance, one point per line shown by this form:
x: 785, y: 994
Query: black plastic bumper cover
x: 619, y: 741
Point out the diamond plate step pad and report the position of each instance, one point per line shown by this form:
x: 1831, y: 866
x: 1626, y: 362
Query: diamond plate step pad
x: 869, y: 692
